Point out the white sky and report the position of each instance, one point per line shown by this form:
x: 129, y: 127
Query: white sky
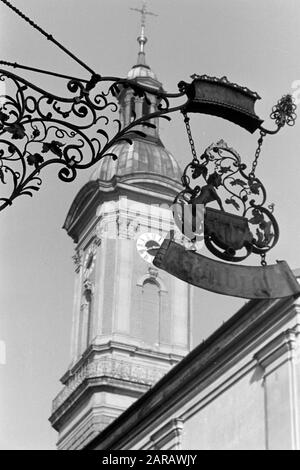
x: 254, y: 42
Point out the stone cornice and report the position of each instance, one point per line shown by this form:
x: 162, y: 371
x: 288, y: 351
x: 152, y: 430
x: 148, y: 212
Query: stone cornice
x: 110, y: 346
x: 98, y: 367
x: 94, y: 193
x: 100, y: 371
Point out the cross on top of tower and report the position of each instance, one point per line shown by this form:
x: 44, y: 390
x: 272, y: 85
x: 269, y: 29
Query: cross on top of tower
x: 143, y: 11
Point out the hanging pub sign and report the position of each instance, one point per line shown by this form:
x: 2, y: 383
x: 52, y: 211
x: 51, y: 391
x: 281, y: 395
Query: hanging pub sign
x: 241, y: 222
x: 38, y: 129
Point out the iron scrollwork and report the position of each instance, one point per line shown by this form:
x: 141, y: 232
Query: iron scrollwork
x: 251, y: 228
x: 38, y: 129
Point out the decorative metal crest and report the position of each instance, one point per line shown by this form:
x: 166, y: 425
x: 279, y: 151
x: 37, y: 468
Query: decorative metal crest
x: 252, y: 228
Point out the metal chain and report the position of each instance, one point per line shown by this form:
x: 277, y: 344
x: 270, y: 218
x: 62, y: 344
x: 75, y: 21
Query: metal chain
x: 190, y: 137
x: 257, y: 154
x: 48, y: 36
x: 263, y: 259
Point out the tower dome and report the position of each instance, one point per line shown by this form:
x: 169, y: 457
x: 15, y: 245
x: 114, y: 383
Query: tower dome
x: 142, y: 157
x: 141, y: 71
x: 146, y: 157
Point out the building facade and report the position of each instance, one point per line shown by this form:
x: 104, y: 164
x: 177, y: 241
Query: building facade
x: 238, y: 390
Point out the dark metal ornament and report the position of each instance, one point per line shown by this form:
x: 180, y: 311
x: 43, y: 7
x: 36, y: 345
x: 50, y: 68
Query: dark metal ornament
x: 252, y: 228
x: 77, y: 129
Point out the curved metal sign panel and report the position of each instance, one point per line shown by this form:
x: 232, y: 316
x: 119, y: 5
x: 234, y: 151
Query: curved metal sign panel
x: 249, y: 282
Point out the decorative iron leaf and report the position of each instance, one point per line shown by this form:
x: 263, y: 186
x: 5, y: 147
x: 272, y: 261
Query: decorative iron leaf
x: 53, y: 147
x: 257, y: 218
x: 224, y: 169
x: 238, y: 182
x: 233, y: 202
x: 36, y: 159
x: 254, y: 187
x: 17, y: 131
x: 35, y: 133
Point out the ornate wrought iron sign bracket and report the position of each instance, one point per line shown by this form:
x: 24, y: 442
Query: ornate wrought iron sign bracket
x: 38, y: 128
x: 223, y: 176
x: 76, y: 130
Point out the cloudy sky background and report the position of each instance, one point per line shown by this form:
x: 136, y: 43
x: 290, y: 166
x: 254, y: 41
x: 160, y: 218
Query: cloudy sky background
x: 255, y: 43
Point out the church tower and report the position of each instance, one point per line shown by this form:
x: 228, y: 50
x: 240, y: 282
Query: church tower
x: 131, y: 321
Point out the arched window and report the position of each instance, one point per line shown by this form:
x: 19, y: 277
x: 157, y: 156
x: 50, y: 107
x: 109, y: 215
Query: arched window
x: 150, y: 313
x: 85, y: 320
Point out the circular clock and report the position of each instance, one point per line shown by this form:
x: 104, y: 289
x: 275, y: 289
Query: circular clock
x: 89, y: 261
x: 148, y: 245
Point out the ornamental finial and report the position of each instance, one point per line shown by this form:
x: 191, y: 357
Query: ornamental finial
x: 142, y: 38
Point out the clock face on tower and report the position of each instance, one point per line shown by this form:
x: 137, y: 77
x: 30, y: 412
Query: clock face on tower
x: 148, y: 245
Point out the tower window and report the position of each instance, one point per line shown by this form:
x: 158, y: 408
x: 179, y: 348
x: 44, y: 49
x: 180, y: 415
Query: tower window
x: 150, y: 313
x: 85, y: 321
